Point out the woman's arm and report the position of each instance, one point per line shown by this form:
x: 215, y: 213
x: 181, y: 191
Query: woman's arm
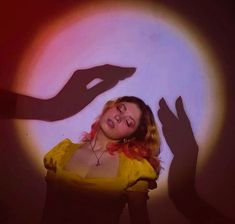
x: 137, y: 206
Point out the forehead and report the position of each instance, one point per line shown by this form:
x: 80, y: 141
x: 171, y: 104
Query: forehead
x: 132, y: 110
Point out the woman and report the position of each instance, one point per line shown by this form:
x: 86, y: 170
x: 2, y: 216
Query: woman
x: 115, y: 164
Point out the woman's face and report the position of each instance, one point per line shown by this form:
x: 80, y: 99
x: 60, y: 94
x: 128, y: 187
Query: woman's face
x: 120, y: 121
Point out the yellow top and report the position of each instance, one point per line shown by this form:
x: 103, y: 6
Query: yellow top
x: 133, y: 175
x: 73, y: 199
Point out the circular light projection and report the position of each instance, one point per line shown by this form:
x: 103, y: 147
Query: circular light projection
x: 171, y: 58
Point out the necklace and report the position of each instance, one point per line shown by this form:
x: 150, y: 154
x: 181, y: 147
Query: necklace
x: 97, y: 157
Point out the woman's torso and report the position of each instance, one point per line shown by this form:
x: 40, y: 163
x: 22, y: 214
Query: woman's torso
x: 88, y: 163
x: 81, y: 192
x: 78, y: 191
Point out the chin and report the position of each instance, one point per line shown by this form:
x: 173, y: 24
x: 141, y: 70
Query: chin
x: 108, y: 133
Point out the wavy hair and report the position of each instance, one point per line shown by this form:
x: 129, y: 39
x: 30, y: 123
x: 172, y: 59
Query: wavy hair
x: 143, y: 143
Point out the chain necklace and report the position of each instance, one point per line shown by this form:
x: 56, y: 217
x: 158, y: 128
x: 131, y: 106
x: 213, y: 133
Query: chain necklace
x: 97, y: 157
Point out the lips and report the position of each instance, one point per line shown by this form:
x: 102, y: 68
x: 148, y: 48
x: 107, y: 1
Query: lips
x: 110, y: 123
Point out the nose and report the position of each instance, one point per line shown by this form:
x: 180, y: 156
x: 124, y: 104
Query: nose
x: 118, y: 118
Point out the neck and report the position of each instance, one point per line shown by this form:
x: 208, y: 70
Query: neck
x: 100, y: 141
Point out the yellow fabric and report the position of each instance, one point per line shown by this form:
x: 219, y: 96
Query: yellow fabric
x: 133, y: 175
x: 140, y: 186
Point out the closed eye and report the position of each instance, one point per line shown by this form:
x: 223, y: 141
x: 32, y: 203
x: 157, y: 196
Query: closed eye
x: 130, y: 122
x: 121, y: 108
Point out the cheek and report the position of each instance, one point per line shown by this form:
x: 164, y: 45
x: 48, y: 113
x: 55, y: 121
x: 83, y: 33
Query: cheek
x: 118, y: 133
x: 124, y: 131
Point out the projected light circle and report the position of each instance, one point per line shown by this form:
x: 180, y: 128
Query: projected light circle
x: 170, y: 62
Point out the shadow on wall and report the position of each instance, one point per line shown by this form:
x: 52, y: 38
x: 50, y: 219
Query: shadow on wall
x: 176, y: 129
x: 21, y: 184
x: 179, y: 136
x: 73, y: 97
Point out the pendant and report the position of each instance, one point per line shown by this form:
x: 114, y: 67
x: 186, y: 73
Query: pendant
x: 98, y: 163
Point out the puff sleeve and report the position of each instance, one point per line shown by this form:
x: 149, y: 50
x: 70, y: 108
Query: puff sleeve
x: 142, y: 176
x: 56, y: 157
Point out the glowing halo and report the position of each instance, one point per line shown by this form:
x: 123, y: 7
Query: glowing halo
x: 80, y: 39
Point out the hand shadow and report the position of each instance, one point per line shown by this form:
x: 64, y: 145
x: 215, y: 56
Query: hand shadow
x: 179, y: 136
x: 71, y: 99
